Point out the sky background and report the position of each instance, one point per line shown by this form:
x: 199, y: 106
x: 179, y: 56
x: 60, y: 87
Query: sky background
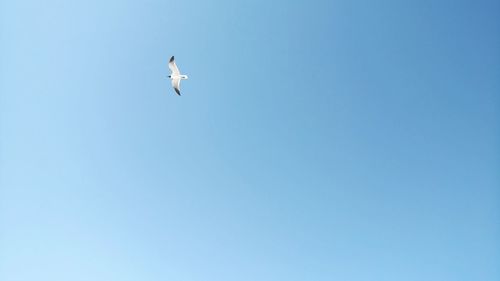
x: 314, y: 140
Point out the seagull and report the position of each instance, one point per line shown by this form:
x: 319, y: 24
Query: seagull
x: 175, y: 76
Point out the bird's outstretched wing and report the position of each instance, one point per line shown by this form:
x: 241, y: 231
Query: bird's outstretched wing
x: 176, y: 83
x: 173, y: 67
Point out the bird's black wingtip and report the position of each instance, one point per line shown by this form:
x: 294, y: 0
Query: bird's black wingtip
x: 177, y: 91
x: 172, y: 59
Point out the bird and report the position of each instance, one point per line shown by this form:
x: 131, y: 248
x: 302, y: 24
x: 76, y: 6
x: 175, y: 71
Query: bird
x: 175, y: 76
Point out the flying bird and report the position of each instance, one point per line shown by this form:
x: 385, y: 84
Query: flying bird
x: 175, y: 76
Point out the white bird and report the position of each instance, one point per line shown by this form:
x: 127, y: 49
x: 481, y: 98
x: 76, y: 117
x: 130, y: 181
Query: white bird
x: 176, y: 76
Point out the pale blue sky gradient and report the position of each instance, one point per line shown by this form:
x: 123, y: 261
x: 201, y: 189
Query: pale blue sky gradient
x: 315, y: 140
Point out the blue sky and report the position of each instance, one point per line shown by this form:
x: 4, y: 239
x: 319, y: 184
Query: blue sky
x: 314, y: 140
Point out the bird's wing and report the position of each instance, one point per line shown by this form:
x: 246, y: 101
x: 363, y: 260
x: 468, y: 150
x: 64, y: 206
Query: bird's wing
x: 176, y: 83
x: 173, y: 67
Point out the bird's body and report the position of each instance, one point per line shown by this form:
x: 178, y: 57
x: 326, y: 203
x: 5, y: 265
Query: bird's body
x: 176, y: 76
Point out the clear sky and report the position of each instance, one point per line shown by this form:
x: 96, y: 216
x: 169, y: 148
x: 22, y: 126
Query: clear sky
x: 314, y: 140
